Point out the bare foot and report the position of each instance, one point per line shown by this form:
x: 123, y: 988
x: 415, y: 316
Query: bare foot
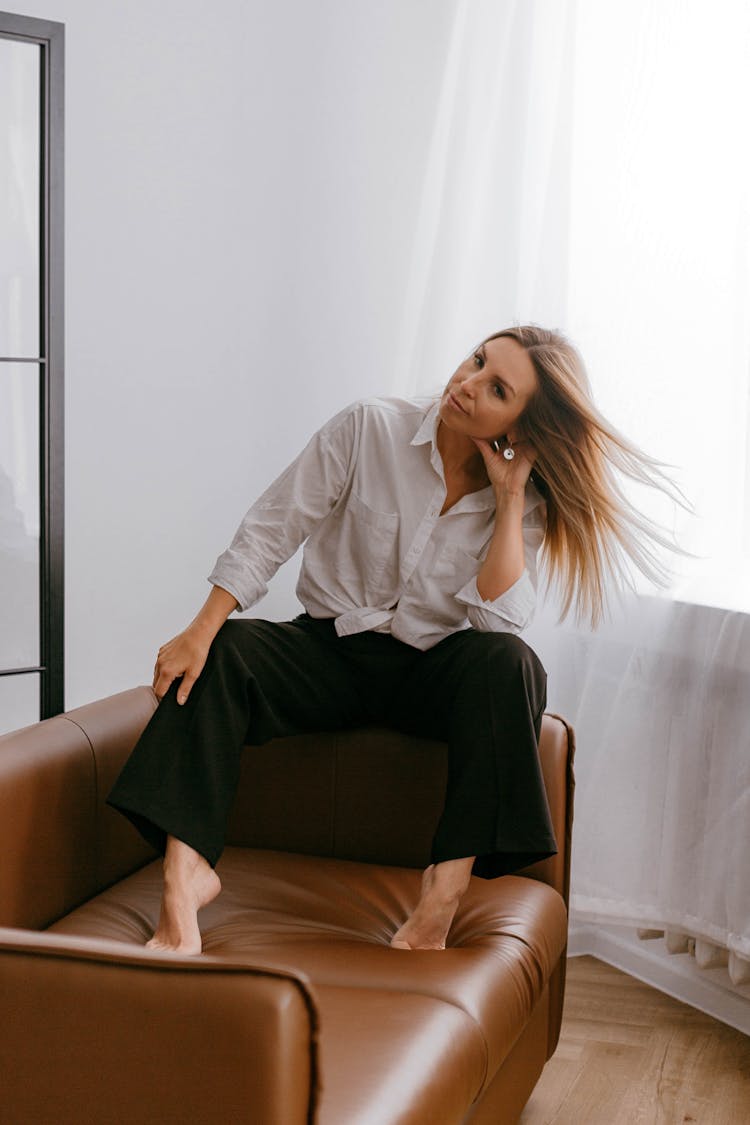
x: 442, y: 887
x: 189, y: 883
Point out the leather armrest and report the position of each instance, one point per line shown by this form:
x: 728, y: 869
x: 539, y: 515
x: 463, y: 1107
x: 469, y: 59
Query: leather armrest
x: 60, y: 843
x: 134, y: 1033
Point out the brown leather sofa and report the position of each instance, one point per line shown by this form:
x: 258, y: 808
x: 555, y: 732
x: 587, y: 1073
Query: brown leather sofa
x: 298, y: 1010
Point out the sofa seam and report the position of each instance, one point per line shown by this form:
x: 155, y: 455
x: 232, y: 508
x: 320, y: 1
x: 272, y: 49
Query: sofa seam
x: 96, y: 815
x: 334, y: 796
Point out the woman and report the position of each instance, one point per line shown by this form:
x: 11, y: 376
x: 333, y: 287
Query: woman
x: 422, y: 521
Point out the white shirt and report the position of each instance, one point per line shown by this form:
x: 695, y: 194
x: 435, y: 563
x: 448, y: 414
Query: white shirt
x: 365, y: 494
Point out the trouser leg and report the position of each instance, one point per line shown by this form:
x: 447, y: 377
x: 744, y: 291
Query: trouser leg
x: 484, y: 693
x: 261, y: 680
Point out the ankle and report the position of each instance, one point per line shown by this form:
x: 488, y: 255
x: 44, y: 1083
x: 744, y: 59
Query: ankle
x: 450, y: 879
x: 180, y: 860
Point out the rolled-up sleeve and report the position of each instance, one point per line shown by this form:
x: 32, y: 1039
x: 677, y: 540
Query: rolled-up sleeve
x: 513, y: 610
x: 290, y: 508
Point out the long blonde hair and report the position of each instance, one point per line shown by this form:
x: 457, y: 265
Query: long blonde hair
x: 592, y: 528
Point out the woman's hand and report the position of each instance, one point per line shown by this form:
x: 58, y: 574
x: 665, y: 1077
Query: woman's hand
x: 507, y: 477
x: 504, y: 563
x: 185, y: 655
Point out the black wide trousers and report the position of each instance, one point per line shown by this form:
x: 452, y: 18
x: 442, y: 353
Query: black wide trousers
x: 482, y: 693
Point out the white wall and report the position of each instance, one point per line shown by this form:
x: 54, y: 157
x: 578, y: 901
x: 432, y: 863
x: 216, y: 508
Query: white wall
x: 242, y: 181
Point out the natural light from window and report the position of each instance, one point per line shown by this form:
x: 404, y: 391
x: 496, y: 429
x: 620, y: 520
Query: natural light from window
x: 659, y: 286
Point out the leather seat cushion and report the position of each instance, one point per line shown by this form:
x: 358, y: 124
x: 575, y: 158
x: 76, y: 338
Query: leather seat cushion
x: 333, y: 920
x: 397, y: 1057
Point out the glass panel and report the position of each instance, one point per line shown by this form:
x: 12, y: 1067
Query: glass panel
x: 19, y: 198
x: 19, y: 515
x: 19, y: 701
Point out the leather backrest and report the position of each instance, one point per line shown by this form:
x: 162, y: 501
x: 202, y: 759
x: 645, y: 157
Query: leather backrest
x: 375, y: 795
x: 370, y: 794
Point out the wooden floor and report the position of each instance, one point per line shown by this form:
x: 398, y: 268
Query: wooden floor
x: 631, y: 1055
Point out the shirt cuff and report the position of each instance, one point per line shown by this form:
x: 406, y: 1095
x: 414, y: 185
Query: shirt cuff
x: 234, y: 576
x: 511, y: 612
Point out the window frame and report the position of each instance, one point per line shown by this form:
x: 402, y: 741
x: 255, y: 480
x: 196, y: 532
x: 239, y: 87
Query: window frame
x: 50, y: 36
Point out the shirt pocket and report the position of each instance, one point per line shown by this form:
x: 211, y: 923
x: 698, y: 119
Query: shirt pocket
x: 454, y: 567
x: 367, y: 544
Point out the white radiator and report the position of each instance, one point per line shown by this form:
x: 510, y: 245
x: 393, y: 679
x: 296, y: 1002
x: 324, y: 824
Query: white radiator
x: 706, y: 954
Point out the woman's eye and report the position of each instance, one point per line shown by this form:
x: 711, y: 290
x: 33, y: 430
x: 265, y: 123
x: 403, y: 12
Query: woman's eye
x: 499, y: 390
x: 478, y: 359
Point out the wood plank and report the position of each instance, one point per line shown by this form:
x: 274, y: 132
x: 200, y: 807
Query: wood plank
x: 631, y: 1055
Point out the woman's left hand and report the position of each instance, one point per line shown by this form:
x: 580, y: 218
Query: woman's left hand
x: 507, y: 477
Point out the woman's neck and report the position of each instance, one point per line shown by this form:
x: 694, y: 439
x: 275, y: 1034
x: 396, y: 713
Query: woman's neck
x: 459, y: 455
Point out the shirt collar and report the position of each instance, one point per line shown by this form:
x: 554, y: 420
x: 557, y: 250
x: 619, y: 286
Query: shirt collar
x: 428, y: 426
x: 474, y: 501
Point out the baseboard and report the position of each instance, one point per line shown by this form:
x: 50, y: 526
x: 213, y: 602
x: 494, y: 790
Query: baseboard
x: 673, y: 973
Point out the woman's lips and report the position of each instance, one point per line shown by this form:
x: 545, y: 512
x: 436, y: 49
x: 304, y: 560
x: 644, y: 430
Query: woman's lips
x: 455, y: 403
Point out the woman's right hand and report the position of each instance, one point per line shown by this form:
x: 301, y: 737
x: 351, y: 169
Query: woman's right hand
x: 185, y: 655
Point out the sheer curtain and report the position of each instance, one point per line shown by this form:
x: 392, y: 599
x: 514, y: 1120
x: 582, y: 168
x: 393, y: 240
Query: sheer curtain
x: 659, y: 281
x: 589, y: 171
x: 491, y: 236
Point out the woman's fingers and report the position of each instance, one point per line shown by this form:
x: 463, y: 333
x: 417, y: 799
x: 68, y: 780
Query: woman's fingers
x: 508, y: 474
x: 183, y: 661
x: 162, y: 681
x: 495, y: 456
x: 186, y: 686
x: 166, y: 670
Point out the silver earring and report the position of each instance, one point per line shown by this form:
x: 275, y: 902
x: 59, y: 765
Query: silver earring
x: 509, y: 453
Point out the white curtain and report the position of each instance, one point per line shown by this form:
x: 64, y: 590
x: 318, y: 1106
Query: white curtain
x: 490, y: 240
x: 659, y: 282
x: 659, y: 698
x: 589, y: 170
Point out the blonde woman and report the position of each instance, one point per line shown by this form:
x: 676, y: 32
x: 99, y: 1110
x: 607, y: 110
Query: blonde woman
x: 422, y: 522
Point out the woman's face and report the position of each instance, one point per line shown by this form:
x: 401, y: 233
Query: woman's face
x: 489, y: 392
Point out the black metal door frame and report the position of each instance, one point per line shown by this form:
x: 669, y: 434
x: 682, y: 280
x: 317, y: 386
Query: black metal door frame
x: 51, y: 359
